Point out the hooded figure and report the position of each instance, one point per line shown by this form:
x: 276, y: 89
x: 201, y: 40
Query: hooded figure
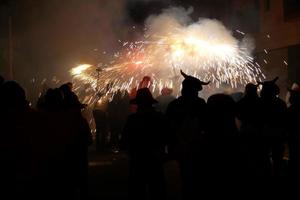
x: 144, y: 137
x: 187, y: 116
x: 272, y: 114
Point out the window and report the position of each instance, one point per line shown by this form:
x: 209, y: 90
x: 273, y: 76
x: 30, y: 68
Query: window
x: 291, y: 9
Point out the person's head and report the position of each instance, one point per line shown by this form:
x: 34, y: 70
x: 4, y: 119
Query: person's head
x: 70, y: 85
x: 221, y: 105
x: 13, y: 96
x: 143, y: 98
x: 251, y: 90
x: 53, y: 99
x: 191, y: 85
x: 269, y: 89
x: 66, y: 88
x: 146, y: 82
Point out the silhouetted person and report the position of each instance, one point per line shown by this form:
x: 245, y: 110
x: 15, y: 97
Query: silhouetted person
x: 146, y: 82
x: 61, y: 148
x: 16, y: 130
x: 293, y: 116
x: 237, y: 96
x: 248, y: 109
x: 272, y: 114
x: 13, y: 97
x: 248, y: 112
x: 222, y: 137
x: 117, y: 111
x: 80, y: 138
x: 101, y: 122
x: 41, y: 100
x: 53, y: 100
x: 164, y: 99
x: 71, y: 100
x: 144, y: 137
x: 187, y: 115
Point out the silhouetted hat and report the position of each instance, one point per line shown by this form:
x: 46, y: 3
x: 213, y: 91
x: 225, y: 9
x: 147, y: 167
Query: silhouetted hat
x: 143, y: 96
x: 251, y: 88
x: 270, y: 86
x: 272, y: 82
x: 192, y: 82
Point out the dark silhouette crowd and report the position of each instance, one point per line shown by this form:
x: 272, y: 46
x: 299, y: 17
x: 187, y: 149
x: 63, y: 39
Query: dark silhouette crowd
x: 45, y: 149
x: 253, y: 135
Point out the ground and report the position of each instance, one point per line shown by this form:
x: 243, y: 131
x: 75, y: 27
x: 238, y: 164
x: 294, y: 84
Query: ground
x: 108, y: 176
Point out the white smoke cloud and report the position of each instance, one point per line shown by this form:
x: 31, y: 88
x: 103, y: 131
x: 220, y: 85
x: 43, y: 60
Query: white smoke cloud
x: 173, y: 41
x: 206, y: 43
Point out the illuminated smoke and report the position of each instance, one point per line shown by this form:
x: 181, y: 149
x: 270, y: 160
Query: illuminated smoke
x: 171, y: 42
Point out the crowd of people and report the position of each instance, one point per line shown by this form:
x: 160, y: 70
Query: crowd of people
x: 221, y: 138
x: 43, y: 150
x: 256, y: 135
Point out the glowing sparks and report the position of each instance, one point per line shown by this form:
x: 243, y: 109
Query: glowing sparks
x: 205, y: 49
x: 80, y: 69
x: 240, y: 32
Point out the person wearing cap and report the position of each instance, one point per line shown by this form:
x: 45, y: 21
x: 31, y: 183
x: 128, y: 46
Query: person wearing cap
x: 144, y: 138
x: 187, y: 116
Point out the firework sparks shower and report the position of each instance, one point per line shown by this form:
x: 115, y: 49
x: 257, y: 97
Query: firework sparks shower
x: 171, y: 42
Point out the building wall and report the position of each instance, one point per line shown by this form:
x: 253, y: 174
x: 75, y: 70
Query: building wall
x: 282, y: 32
x: 273, y: 65
x: 278, y: 36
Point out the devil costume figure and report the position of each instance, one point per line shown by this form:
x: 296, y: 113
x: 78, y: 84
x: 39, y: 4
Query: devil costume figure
x: 187, y: 119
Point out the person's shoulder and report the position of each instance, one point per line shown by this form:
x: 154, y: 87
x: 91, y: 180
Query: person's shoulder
x: 281, y: 103
x: 200, y: 102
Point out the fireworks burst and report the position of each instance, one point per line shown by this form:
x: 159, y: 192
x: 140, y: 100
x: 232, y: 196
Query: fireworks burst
x: 205, y: 49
